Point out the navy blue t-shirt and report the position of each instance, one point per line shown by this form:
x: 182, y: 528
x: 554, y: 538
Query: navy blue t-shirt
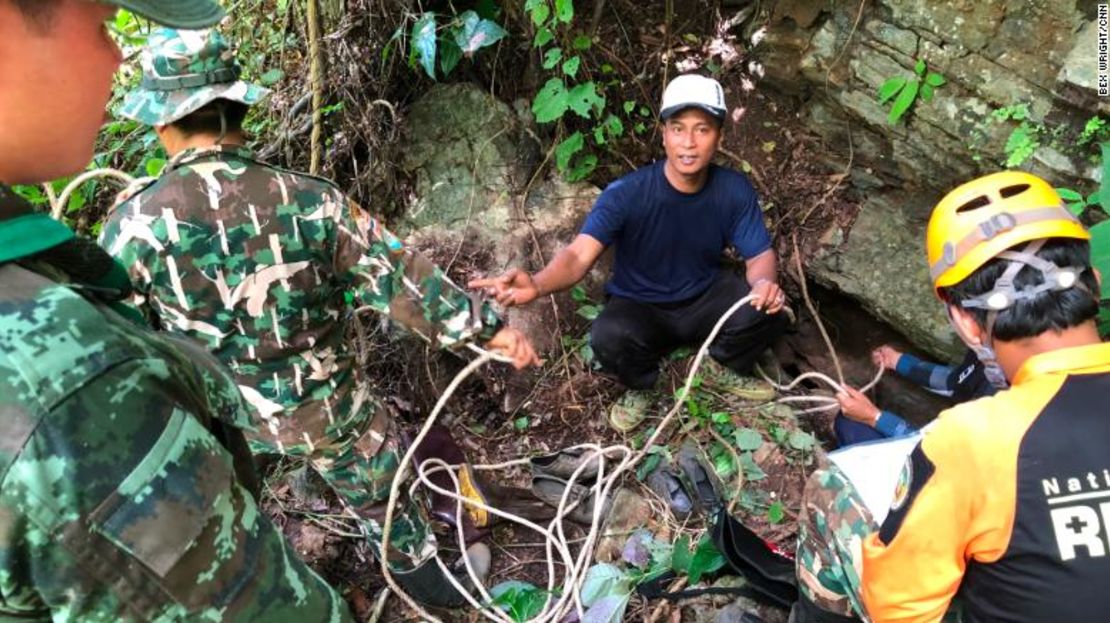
x: 669, y: 243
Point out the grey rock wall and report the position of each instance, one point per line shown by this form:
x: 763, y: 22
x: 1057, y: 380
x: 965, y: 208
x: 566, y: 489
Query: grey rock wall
x: 832, y: 56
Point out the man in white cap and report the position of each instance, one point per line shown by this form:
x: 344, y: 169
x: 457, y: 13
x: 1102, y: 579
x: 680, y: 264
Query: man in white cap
x: 669, y: 222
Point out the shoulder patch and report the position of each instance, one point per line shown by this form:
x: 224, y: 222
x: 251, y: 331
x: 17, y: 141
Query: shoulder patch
x: 915, y: 474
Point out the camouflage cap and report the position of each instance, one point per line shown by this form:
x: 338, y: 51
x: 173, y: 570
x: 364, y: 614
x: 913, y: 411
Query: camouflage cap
x: 176, y: 13
x: 182, y: 71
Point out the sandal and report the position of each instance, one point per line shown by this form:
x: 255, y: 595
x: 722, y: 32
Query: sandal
x: 563, y: 463
x: 703, y: 480
x: 668, y: 485
x: 549, y: 490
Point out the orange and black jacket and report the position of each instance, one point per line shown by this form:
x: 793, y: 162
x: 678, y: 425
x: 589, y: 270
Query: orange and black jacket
x: 1006, y: 504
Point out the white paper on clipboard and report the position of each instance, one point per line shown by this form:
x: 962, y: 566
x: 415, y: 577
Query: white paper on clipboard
x: 873, y: 469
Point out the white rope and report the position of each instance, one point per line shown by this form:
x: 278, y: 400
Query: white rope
x: 553, y: 534
x: 58, y: 204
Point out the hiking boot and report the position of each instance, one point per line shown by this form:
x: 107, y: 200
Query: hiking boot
x: 550, y: 489
x: 722, y: 379
x: 629, y: 410
x: 564, y: 463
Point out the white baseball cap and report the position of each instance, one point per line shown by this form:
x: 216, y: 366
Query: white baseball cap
x: 694, y: 91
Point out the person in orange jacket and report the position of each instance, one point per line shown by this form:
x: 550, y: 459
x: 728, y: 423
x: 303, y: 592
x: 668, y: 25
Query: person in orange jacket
x: 1004, y: 504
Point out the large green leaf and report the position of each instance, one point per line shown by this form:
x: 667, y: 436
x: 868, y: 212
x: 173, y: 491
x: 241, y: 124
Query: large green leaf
x: 449, y: 56
x: 564, y: 10
x: 890, y: 87
x: 707, y: 559
x: 748, y: 439
x: 583, y: 99
x: 680, y: 555
x: 424, y: 42
x: 476, y: 33
x: 903, y: 102
x: 552, y: 57
x: 581, y: 167
x: 565, y: 150
x: 551, y: 101
x: 1100, y: 247
x: 539, y: 10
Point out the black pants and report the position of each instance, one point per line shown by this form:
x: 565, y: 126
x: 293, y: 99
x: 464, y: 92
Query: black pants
x: 630, y: 338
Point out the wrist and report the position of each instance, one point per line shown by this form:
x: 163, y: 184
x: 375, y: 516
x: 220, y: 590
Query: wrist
x: 875, y: 418
x: 536, y: 285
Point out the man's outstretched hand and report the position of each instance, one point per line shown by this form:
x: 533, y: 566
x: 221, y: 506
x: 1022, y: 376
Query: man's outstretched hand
x: 514, y: 287
x: 514, y: 345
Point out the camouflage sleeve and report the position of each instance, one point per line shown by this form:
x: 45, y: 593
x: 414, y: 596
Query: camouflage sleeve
x: 120, y: 505
x: 400, y: 282
x: 137, y: 255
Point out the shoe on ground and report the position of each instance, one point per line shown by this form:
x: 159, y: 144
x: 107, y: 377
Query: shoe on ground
x: 630, y: 410
x: 722, y: 379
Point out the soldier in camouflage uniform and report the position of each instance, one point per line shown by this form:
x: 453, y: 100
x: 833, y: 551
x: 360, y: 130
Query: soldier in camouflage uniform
x: 127, y: 492
x: 255, y: 262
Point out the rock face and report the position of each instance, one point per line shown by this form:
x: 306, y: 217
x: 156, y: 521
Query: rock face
x: 473, y: 158
x: 832, y: 57
x: 469, y: 154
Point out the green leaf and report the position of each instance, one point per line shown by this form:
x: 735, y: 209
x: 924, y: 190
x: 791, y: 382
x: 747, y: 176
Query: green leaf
x: 551, y: 101
x: 604, y: 580
x: 488, y: 9
x: 629, y: 106
x: 544, y: 36
x: 752, y: 470
x: 720, y: 417
x: 154, y: 166
x: 903, y: 102
x: 477, y: 33
x: 567, y: 148
x: 564, y: 10
x: 578, y: 294
x: 614, y: 127
x: 539, y: 10
x: 583, y: 99
x: 449, y: 56
x: 723, y: 465
x: 589, y: 312
x: 521, y: 422
x: 570, y: 67
x: 648, y: 465
x: 926, y: 92
x: 680, y: 555
x: 776, y: 513
x: 582, y: 42
x: 919, y: 67
x: 552, y: 57
x: 424, y: 42
x: 707, y: 559
x: 747, y: 439
x: 271, y: 77
x: 934, y: 79
x: 1100, y: 247
x: 521, y: 600
x: 801, y: 440
x: 1104, y: 186
x: 1068, y: 194
x: 581, y: 167
x: 890, y: 87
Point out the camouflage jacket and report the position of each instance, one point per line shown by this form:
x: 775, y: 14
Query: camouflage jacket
x: 123, y: 471
x: 255, y: 262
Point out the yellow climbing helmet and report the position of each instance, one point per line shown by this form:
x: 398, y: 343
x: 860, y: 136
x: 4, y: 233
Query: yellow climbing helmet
x: 984, y: 217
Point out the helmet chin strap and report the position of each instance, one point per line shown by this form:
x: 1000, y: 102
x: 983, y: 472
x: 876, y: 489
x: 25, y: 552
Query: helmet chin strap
x: 984, y: 351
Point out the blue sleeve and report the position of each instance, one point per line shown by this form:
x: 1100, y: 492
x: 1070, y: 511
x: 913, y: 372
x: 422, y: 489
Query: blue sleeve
x: 749, y: 234
x: 606, y: 219
x: 933, y: 377
x: 890, y: 425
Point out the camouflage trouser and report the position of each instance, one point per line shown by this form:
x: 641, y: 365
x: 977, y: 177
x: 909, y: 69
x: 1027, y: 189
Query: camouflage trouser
x: 832, y: 526
x: 831, y: 529
x: 361, y: 476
